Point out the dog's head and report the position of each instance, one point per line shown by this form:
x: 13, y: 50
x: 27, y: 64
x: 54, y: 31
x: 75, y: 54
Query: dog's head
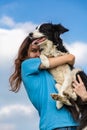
x: 49, y: 31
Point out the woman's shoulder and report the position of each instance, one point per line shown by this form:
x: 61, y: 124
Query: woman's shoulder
x: 31, y: 65
x: 31, y: 61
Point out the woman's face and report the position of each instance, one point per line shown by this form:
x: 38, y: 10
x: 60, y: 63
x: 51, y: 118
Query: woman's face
x: 34, y: 51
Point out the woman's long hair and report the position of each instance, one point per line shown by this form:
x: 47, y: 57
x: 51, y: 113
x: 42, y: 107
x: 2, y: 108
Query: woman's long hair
x: 15, y: 78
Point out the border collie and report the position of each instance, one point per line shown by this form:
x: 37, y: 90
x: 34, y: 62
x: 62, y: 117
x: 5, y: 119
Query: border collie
x: 51, y: 44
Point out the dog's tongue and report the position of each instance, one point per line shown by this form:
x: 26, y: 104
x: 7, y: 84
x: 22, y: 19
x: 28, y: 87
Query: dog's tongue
x: 39, y: 40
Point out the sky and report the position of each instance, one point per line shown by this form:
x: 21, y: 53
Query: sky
x: 17, y: 19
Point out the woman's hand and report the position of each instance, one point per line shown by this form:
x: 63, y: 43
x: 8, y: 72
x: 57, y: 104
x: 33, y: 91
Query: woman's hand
x: 80, y: 89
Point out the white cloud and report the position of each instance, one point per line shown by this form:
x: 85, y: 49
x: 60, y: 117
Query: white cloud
x: 16, y: 109
x: 18, y: 116
x: 10, y: 41
x: 79, y: 49
x: 27, y: 26
x: 8, y: 21
x: 5, y: 126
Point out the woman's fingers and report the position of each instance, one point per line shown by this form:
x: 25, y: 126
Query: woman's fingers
x: 75, y: 83
x: 79, y: 88
x: 80, y: 80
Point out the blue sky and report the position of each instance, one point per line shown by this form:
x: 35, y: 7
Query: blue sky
x: 71, y: 13
x: 17, y: 19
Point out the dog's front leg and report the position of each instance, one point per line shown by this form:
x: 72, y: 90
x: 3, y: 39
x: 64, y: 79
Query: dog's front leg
x: 45, y: 61
x: 67, y: 82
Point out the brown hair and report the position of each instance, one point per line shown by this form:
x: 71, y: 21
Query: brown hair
x: 15, y: 78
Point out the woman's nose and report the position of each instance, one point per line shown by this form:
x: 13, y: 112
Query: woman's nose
x: 38, y: 53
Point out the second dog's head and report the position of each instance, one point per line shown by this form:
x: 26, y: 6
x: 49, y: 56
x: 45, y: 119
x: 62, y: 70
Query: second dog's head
x: 49, y: 31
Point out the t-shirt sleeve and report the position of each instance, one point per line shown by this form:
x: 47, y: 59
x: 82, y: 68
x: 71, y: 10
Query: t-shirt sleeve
x: 31, y: 66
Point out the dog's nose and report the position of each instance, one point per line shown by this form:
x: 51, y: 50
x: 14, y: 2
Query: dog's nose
x: 31, y: 34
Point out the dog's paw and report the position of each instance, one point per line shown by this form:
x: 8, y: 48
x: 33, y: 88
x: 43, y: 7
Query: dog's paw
x: 66, y: 94
x: 59, y: 105
x: 54, y: 96
x: 70, y: 95
x: 44, y: 61
x: 61, y: 99
x: 74, y: 96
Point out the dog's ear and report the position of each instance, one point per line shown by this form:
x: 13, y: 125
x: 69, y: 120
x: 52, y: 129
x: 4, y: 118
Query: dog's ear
x: 60, y: 29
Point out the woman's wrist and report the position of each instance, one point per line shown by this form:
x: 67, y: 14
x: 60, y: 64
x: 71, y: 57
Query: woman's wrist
x: 84, y: 97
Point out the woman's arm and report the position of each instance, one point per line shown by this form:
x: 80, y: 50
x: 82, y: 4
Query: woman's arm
x: 80, y: 89
x: 57, y: 61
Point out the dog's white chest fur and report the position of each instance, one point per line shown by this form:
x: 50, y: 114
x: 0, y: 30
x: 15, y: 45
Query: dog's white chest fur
x: 62, y: 74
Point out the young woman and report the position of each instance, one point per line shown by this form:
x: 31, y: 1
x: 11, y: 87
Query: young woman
x: 39, y: 84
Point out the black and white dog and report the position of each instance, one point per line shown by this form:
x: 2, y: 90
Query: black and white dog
x: 48, y: 38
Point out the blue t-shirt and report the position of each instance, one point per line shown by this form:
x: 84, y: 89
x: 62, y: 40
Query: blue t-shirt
x: 39, y: 84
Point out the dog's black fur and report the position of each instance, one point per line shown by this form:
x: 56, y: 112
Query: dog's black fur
x: 52, y: 32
